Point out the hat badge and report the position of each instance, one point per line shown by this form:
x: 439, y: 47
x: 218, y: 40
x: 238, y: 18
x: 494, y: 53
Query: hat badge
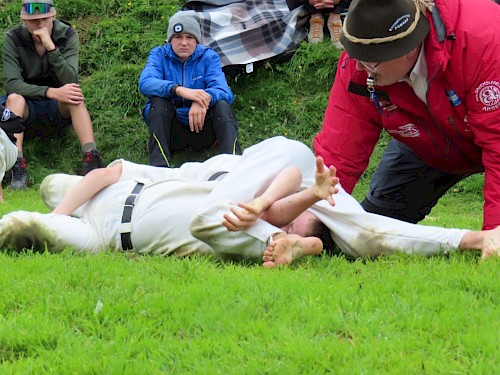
x: 178, y: 28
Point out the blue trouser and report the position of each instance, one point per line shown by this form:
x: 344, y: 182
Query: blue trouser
x: 44, y: 118
x: 404, y: 187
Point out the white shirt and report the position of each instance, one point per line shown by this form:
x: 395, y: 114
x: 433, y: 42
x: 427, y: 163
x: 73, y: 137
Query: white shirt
x: 418, y: 77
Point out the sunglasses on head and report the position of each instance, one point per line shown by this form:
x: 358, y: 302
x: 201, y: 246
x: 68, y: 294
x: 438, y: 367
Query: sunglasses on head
x: 31, y: 8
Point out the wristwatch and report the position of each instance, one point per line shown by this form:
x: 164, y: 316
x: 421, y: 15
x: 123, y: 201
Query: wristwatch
x: 173, y: 90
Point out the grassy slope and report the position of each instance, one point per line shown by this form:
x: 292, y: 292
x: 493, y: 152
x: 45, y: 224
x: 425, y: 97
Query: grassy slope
x: 395, y: 315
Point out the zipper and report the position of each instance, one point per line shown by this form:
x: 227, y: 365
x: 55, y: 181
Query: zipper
x: 449, y: 141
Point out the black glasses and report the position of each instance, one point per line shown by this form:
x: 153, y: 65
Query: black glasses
x: 31, y: 8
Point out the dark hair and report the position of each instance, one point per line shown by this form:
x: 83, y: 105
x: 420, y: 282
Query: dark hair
x: 320, y: 230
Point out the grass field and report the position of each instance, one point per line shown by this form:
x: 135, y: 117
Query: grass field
x: 117, y: 313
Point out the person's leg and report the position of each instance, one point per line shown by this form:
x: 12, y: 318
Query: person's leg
x: 19, y: 172
x: 159, y: 120
x: 285, y: 248
x: 258, y: 166
x: 80, y: 118
x: 51, y: 232
x: 316, y: 25
x: 404, y: 186
x: 225, y: 125
x: 334, y: 27
x: 8, y: 157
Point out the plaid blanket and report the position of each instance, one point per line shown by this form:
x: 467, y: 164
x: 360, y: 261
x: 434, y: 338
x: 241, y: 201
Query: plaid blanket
x: 245, y: 31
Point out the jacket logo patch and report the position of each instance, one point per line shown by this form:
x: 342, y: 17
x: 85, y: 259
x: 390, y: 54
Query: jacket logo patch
x: 5, y: 115
x: 406, y: 131
x: 488, y: 93
x: 400, y: 22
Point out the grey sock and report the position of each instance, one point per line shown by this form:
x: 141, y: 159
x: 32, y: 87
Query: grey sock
x: 87, y: 147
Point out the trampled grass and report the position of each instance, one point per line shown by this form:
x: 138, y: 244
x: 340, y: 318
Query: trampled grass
x: 117, y: 313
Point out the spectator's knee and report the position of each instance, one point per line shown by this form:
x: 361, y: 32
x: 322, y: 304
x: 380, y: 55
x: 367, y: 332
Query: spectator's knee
x: 15, y: 100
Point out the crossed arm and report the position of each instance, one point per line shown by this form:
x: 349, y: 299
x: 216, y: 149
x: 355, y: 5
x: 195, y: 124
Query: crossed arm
x: 281, y: 203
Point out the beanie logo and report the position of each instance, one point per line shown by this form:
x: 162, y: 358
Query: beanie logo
x: 488, y: 93
x: 5, y: 115
x: 400, y: 22
x: 178, y: 28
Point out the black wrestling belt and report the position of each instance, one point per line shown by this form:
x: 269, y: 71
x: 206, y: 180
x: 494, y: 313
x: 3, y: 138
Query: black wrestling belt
x: 126, y: 226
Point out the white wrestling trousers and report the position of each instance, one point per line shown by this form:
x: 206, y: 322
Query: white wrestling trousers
x: 248, y: 177
x: 358, y: 233
x: 8, y: 153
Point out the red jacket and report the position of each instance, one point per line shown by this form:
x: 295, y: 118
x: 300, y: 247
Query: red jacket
x: 461, y: 139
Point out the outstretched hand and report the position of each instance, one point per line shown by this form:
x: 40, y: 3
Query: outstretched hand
x: 326, y: 181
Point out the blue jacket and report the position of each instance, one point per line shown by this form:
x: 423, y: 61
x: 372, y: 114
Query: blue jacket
x: 202, y: 70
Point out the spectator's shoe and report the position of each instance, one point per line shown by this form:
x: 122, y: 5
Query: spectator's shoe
x: 91, y: 160
x: 316, y: 25
x: 334, y: 28
x: 19, y: 173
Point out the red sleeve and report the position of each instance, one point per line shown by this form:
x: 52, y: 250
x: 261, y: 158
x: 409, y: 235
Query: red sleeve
x: 482, y: 86
x: 350, y: 128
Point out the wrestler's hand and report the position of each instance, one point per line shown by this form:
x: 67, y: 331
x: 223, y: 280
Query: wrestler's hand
x: 197, y: 115
x: 196, y: 95
x: 326, y: 181
x: 42, y: 35
x: 70, y: 93
x: 246, y: 215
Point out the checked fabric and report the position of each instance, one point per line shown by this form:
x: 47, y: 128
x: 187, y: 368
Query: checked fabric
x: 247, y: 31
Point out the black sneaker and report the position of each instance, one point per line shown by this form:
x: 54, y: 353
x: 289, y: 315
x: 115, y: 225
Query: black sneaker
x: 91, y: 160
x: 19, y: 173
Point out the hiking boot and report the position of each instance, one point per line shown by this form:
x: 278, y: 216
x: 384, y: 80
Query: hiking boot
x: 334, y: 28
x: 91, y: 160
x: 19, y: 174
x: 316, y: 24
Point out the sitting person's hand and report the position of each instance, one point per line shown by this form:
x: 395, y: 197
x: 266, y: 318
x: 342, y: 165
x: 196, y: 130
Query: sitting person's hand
x: 197, y: 115
x: 323, y: 4
x: 70, y: 93
x: 195, y: 95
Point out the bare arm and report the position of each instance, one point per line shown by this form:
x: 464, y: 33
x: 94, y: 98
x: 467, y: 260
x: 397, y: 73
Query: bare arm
x: 280, y: 212
x: 89, y: 186
x: 283, y: 211
x: 287, y: 182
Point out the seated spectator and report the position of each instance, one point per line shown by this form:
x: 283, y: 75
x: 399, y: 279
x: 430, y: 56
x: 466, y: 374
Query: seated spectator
x: 40, y: 62
x: 188, y: 95
x: 331, y: 9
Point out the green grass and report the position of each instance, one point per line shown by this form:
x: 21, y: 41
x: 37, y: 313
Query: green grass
x: 395, y: 315
x: 166, y: 315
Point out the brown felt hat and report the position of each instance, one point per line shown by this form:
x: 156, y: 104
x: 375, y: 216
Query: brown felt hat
x: 33, y: 9
x: 382, y: 30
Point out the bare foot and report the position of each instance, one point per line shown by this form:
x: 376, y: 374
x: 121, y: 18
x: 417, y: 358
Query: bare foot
x: 289, y: 247
x: 491, y: 243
